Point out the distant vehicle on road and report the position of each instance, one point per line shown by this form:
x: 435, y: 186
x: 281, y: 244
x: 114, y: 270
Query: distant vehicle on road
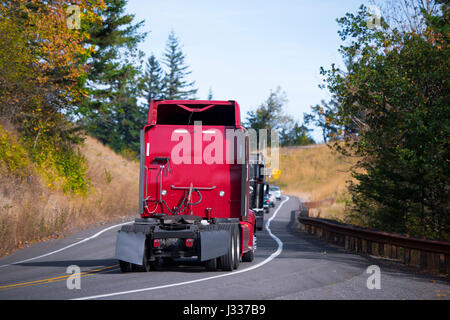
x: 258, y: 185
x: 259, y: 219
x: 272, y: 199
x: 276, y: 191
x: 266, y: 203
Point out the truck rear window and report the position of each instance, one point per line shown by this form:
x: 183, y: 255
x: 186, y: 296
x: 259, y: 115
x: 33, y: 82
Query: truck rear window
x: 219, y: 115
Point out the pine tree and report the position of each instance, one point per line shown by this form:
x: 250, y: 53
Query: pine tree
x: 292, y: 133
x: 210, y: 94
x: 176, y: 85
x: 269, y: 115
x: 111, y: 112
x: 390, y: 111
x: 153, y: 80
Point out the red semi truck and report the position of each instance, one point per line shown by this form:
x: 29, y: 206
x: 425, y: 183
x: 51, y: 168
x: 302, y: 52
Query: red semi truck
x: 193, y: 188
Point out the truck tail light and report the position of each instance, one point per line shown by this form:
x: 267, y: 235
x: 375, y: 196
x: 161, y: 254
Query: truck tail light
x: 189, y: 242
x: 156, y: 243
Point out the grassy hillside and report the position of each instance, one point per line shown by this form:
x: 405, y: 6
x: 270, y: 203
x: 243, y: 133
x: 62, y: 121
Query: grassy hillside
x: 32, y: 210
x: 316, y: 173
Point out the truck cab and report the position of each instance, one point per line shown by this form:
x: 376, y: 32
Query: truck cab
x: 194, y: 188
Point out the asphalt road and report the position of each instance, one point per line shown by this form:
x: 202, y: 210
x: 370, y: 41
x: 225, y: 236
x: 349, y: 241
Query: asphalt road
x: 288, y: 265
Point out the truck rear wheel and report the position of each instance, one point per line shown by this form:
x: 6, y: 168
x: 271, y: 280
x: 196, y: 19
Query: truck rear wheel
x: 146, y: 264
x: 211, y: 265
x: 237, y: 243
x: 124, y: 266
x: 227, y: 260
x: 248, y: 256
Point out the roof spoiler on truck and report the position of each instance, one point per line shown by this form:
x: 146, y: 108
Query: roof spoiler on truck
x: 186, y: 112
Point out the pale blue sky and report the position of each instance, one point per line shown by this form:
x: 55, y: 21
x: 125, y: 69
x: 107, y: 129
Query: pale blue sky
x: 243, y: 49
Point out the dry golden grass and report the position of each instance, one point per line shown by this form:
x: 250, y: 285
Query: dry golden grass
x: 316, y: 173
x: 335, y: 211
x: 31, y: 212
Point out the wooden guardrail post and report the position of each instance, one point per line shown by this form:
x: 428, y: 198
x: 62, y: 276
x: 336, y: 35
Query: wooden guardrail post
x: 381, y: 249
x: 363, y: 246
x: 407, y: 256
x: 393, y: 252
x: 358, y: 245
x: 328, y: 236
x: 447, y: 263
x: 387, y: 250
x: 415, y: 258
x: 433, y: 262
x: 369, y: 247
x: 444, y: 263
x: 423, y: 259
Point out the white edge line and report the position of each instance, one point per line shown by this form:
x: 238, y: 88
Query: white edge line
x: 69, y: 246
x: 267, y: 260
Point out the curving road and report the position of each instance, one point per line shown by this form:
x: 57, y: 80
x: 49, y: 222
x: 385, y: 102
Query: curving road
x: 288, y: 265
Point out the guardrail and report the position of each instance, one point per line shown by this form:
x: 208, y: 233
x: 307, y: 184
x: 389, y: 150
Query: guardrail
x: 425, y: 254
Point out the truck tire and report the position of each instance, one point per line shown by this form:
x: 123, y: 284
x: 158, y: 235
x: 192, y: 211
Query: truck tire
x: 146, y: 265
x: 124, y: 266
x: 259, y: 224
x: 237, y: 250
x: 248, y: 256
x: 211, y: 264
x: 227, y: 260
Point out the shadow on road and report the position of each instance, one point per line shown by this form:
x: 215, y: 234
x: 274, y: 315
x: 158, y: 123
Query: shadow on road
x: 298, y: 244
x: 176, y: 265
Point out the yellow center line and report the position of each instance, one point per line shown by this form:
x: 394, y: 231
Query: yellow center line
x: 56, y: 279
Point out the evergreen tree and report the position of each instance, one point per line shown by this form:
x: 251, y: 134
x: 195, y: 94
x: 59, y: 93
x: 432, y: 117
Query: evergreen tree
x: 111, y: 111
x: 269, y: 114
x: 153, y: 80
x: 293, y: 133
x: 391, y: 111
x: 210, y: 94
x: 176, y: 85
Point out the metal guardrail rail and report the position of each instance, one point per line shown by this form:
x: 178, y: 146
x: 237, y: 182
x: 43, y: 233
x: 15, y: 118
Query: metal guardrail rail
x: 426, y: 254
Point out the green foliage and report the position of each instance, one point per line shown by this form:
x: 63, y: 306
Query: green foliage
x: 270, y: 116
x: 108, y: 176
x: 58, y: 164
x: 175, y: 84
x: 13, y: 156
x: 111, y: 111
x: 294, y: 134
x: 210, y: 94
x: 153, y: 80
x: 390, y: 107
x: 42, y: 80
x: 56, y: 160
x: 130, y: 154
x: 171, y: 83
